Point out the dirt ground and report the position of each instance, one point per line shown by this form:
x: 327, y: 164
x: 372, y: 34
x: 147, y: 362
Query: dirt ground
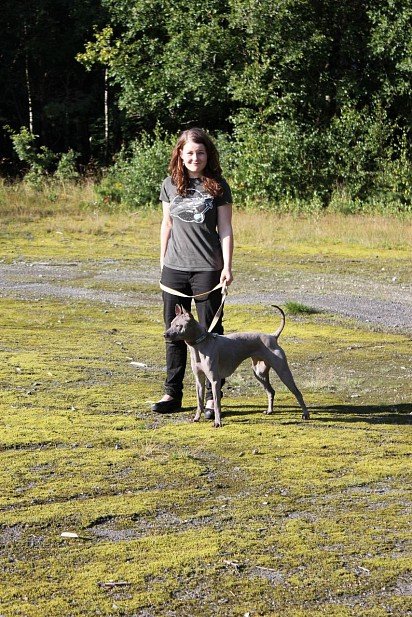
x: 384, y: 301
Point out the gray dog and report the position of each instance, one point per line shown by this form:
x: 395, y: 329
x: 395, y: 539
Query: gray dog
x: 217, y: 356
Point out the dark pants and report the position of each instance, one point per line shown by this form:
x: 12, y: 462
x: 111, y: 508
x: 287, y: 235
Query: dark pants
x: 189, y: 283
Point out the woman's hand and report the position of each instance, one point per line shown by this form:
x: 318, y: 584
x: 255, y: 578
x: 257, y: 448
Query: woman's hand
x: 226, y: 276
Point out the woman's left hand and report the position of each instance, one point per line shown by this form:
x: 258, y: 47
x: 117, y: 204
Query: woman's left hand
x: 226, y: 276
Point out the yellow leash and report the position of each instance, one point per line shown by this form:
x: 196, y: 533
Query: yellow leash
x: 223, y: 286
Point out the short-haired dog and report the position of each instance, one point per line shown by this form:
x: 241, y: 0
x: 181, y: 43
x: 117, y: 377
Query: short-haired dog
x: 217, y: 356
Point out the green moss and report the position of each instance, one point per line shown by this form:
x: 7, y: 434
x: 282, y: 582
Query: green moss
x: 270, y: 515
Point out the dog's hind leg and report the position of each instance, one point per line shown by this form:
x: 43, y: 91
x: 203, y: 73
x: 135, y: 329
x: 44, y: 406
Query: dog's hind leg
x: 261, y: 372
x: 277, y: 360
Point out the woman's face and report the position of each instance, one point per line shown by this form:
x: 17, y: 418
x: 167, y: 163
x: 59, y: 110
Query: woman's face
x: 194, y: 158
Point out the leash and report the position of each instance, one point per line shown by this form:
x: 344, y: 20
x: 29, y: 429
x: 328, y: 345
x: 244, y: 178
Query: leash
x: 222, y: 286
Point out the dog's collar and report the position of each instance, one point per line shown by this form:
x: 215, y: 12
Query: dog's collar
x: 200, y: 339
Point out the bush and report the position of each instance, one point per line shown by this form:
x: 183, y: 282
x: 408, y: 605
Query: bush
x: 357, y: 150
x: 135, y: 178
x: 38, y: 160
x: 66, y: 168
x: 394, y: 186
x: 267, y: 166
x: 348, y: 167
x: 42, y: 164
x: 263, y: 169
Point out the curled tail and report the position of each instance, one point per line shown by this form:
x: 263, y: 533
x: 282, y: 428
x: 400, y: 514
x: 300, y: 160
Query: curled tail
x: 282, y: 325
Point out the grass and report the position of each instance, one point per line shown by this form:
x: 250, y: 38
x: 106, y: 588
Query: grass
x: 339, y: 234
x: 270, y: 516
x: 296, y: 308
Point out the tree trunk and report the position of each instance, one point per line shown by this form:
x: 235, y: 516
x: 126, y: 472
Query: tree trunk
x: 106, y: 114
x: 29, y: 95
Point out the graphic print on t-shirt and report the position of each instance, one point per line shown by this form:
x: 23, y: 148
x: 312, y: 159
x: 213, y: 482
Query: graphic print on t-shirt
x: 192, y: 207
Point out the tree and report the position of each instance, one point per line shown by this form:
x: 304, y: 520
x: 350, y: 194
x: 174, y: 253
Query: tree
x: 43, y: 87
x: 308, y: 59
x: 325, y: 89
x: 171, y: 60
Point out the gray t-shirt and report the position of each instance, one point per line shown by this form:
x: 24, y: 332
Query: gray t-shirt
x: 194, y: 243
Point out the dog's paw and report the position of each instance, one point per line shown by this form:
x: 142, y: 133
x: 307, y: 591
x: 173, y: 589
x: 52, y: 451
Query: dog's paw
x: 305, y: 415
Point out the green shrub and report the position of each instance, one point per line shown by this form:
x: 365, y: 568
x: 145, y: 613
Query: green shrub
x: 135, y: 178
x: 296, y: 308
x: 394, y: 186
x: 356, y: 144
x: 42, y: 164
x: 38, y: 160
x: 66, y: 168
x: 347, y: 167
x: 266, y: 166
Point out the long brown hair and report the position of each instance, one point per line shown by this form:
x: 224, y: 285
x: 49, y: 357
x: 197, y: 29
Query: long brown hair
x: 212, y: 172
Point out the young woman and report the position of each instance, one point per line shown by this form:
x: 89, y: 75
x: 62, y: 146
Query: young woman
x: 196, y: 247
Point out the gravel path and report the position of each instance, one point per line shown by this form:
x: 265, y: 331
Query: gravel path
x: 387, y: 305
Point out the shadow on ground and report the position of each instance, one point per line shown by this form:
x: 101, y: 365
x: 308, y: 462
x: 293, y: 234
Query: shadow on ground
x: 373, y: 414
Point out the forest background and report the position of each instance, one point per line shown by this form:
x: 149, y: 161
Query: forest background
x: 309, y: 101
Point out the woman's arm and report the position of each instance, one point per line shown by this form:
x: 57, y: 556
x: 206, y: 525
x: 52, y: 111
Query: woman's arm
x: 165, y: 231
x: 224, y: 228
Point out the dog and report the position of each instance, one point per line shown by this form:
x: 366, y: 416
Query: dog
x: 216, y: 356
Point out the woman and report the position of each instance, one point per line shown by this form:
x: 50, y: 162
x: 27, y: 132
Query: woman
x: 196, y: 247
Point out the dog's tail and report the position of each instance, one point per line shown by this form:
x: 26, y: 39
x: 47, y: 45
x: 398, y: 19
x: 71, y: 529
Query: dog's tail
x: 282, y: 325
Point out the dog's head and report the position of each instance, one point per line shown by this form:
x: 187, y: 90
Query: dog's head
x: 180, y: 326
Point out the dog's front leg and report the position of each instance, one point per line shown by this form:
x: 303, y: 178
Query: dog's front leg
x: 216, y: 390
x: 200, y: 393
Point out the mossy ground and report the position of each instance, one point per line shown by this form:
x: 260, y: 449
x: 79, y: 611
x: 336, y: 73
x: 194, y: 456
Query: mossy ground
x: 270, y: 515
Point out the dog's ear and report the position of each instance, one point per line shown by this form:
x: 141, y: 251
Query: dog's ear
x: 178, y: 309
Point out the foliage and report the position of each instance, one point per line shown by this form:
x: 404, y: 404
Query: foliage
x: 66, y: 168
x: 296, y: 308
x: 395, y: 182
x: 357, y: 150
x: 179, y: 63
x: 309, y: 60
x: 315, y: 96
x: 135, y: 178
x: 39, y: 43
x: 361, y: 156
x: 37, y: 160
x: 170, y: 59
x: 41, y: 162
x: 281, y: 167
x: 276, y: 166
x: 310, y: 101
